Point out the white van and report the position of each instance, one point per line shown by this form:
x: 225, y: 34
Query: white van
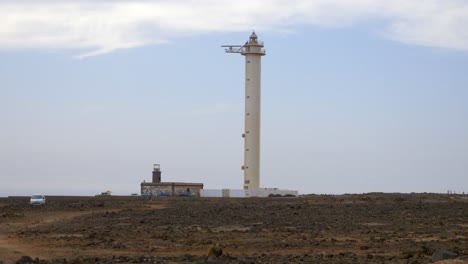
x: 37, y: 199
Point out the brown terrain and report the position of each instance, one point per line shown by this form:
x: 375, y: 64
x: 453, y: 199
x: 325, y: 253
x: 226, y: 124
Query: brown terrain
x: 367, y: 228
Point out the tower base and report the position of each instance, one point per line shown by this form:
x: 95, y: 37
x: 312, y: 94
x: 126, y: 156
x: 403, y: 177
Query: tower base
x: 236, y: 193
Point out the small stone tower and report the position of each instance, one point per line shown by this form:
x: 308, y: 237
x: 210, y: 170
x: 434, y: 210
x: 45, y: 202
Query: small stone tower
x: 156, y: 173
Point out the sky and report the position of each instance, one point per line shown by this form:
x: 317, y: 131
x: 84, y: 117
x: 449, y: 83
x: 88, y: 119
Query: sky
x: 357, y: 96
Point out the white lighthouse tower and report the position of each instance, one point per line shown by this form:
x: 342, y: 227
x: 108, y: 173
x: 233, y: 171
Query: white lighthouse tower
x: 253, y: 51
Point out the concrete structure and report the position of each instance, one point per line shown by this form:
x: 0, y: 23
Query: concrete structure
x: 158, y: 188
x: 263, y: 192
x: 253, y: 51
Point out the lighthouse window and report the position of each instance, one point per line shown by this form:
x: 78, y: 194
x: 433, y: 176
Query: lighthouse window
x: 247, y: 149
x: 248, y: 61
x: 248, y: 96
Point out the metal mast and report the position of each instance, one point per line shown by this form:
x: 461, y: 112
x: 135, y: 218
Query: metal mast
x: 253, y: 51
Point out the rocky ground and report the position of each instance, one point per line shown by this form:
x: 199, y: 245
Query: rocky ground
x: 368, y: 228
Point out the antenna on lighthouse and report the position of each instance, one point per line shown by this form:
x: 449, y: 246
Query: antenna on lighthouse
x: 253, y: 51
x: 232, y: 48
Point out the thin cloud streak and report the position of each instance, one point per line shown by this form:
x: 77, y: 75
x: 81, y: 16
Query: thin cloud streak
x: 98, y: 27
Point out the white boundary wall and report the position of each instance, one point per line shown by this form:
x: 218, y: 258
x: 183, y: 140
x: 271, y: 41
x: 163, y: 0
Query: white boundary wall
x: 237, y: 193
x: 211, y: 193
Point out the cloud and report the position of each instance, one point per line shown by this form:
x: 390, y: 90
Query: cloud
x: 97, y: 27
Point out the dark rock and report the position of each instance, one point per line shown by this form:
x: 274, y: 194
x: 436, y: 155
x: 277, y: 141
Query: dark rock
x: 442, y: 254
x: 189, y: 257
x: 425, y: 250
x: 407, y: 255
x: 24, y: 260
